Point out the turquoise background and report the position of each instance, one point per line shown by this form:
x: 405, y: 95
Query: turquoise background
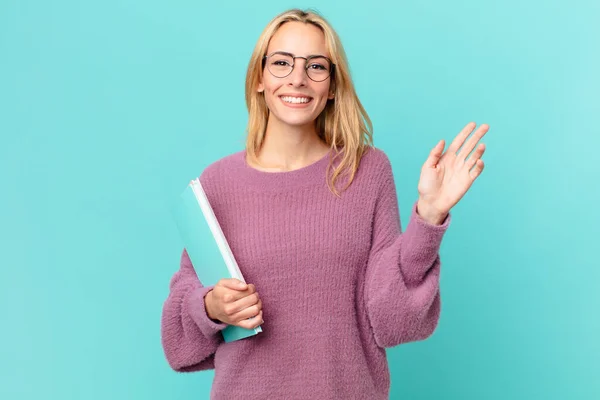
x: 107, y: 109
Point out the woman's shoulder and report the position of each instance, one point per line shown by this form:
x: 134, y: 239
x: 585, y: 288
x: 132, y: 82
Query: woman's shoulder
x: 375, y: 160
x: 221, y: 167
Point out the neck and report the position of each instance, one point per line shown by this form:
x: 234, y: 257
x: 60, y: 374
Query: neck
x: 286, y: 148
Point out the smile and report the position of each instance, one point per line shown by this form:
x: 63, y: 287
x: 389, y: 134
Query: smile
x: 295, y: 100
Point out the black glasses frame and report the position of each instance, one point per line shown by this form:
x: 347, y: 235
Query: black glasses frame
x: 306, y: 64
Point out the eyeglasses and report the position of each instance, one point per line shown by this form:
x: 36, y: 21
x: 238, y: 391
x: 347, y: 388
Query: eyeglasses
x: 280, y: 64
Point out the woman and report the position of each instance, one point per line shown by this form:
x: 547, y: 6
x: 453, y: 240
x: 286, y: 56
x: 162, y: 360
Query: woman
x: 311, y: 214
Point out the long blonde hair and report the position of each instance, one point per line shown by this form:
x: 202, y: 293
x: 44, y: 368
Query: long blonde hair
x: 344, y: 124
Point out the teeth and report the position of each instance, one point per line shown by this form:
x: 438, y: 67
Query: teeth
x: 295, y: 100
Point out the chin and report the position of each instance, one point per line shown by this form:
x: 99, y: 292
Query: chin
x: 297, y: 122
x: 296, y: 119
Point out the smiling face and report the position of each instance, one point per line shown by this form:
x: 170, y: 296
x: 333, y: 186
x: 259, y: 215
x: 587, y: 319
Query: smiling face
x: 295, y: 100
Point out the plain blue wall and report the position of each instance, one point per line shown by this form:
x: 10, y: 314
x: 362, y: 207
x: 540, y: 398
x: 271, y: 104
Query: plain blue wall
x: 107, y: 109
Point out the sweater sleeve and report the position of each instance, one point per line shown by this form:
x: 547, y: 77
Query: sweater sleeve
x: 402, y: 292
x: 189, y: 337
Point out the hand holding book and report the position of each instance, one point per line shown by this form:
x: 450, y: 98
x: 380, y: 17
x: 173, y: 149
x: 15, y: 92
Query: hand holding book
x: 214, y: 262
x: 235, y: 303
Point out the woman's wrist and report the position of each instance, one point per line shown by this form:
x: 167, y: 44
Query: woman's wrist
x: 430, y: 213
x: 208, y: 306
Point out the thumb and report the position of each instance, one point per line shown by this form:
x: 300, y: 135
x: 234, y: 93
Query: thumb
x: 435, y: 154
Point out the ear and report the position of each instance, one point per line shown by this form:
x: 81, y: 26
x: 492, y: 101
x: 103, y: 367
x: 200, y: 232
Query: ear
x: 260, y: 88
x: 331, y: 95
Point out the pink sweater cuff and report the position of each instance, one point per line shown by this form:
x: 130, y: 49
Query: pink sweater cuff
x: 427, y: 227
x: 423, y: 238
x: 197, y: 310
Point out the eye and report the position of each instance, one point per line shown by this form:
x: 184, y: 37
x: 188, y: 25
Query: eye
x: 281, y: 63
x: 317, y: 66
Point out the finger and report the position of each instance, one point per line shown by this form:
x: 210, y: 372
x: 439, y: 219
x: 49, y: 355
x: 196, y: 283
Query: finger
x: 233, y: 295
x: 477, y: 169
x: 472, y: 142
x: 476, y: 155
x: 233, y: 283
x: 460, y: 138
x: 435, y: 154
x: 251, y: 323
x: 247, y: 313
x: 471, y: 163
x: 244, y: 303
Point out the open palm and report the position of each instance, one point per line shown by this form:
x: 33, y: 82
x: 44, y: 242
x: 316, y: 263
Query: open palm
x: 446, y: 177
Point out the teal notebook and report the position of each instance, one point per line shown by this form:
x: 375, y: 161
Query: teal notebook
x: 207, y: 246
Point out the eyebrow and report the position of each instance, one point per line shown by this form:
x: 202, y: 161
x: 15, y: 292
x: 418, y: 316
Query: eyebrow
x: 293, y: 55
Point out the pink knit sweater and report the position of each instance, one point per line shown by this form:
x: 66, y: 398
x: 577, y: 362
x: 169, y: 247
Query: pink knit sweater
x: 339, y: 282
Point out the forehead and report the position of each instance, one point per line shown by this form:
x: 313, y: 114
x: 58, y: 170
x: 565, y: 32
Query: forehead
x: 299, y: 39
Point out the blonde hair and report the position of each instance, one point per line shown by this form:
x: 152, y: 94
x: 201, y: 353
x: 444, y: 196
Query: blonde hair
x: 344, y: 124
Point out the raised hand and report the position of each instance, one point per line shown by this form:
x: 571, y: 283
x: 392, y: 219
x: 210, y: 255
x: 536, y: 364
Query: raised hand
x: 447, y: 176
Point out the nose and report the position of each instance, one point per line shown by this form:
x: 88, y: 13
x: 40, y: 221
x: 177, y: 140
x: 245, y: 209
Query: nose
x: 298, y: 76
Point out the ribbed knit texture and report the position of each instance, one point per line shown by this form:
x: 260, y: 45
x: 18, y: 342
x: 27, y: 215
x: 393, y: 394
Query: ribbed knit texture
x: 339, y: 282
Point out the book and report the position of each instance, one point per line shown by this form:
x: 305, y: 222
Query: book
x: 207, y: 246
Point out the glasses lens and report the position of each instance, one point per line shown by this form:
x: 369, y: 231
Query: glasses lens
x: 318, y: 68
x: 280, y: 65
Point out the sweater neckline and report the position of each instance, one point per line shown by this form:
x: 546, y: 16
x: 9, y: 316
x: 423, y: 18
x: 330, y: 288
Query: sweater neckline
x: 311, y: 174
